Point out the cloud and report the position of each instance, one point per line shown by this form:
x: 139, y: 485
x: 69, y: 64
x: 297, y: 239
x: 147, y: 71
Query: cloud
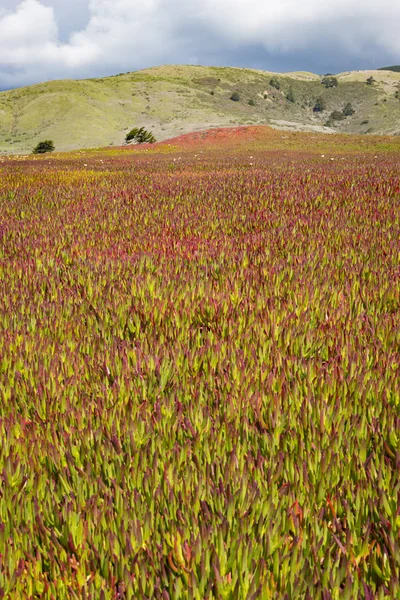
x: 118, y: 35
x: 29, y: 38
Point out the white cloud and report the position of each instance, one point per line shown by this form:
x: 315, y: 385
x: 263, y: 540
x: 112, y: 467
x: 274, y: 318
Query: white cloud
x: 128, y: 34
x: 29, y: 37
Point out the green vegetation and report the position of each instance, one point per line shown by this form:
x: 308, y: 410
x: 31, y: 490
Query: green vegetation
x: 199, y: 370
x: 171, y: 100
x: 140, y: 136
x: 336, y: 115
x: 235, y: 96
x: 43, y: 147
x: 290, y: 95
x: 320, y: 105
x: 395, y: 69
x: 370, y: 80
x: 275, y: 83
x: 330, y: 82
x: 348, y: 110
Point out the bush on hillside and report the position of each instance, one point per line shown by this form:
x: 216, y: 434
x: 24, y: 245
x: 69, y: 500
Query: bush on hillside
x: 348, y: 110
x: 330, y: 82
x: 251, y: 102
x: 275, y: 83
x: 43, y: 147
x: 290, y: 95
x: 319, y: 105
x: 140, y: 136
x: 336, y: 115
x: 370, y: 80
x: 235, y: 97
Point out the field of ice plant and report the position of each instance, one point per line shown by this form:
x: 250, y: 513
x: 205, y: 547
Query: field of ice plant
x: 199, y: 372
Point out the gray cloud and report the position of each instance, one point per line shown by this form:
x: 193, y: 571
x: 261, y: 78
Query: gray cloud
x: 46, y: 39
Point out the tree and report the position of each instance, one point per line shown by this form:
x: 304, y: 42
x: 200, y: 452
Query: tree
x: 290, y: 95
x: 330, y: 82
x: 319, y: 105
x: 140, y: 136
x: 275, y: 83
x: 235, y: 97
x: 348, y: 110
x: 43, y: 147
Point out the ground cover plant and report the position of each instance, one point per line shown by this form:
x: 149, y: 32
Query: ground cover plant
x: 199, y: 370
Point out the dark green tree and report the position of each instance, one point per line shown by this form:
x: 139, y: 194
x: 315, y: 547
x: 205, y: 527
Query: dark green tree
x: 330, y: 82
x: 43, y: 147
x: 140, y: 136
x: 275, y: 83
x: 348, y: 110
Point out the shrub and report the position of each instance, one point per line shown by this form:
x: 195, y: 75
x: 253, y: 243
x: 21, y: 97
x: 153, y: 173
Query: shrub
x: 43, y: 147
x: 140, y: 136
x: 275, y: 83
x: 290, y: 95
x: 365, y: 122
x: 251, y: 102
x: 370, y: 80
x: 348, y: 110
x: 330, y: 82
x: 336, y: 115
x: 235, y: 97
x: 319, y: 105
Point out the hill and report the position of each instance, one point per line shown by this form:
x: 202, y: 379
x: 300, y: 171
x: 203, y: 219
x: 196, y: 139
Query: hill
x: 395, y: 69
x: 171, y: 100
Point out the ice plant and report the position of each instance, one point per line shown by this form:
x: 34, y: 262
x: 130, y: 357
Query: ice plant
x: 199, y: 370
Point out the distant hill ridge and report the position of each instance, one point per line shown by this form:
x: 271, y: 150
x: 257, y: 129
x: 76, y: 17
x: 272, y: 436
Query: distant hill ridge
x: 395, y: 69
x: 176, y: 99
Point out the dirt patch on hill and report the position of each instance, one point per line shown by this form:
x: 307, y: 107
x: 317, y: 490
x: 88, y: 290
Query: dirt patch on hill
x: 294, y: 126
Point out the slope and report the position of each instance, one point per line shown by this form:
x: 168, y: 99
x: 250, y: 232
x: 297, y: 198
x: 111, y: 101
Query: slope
x: 171, y: 100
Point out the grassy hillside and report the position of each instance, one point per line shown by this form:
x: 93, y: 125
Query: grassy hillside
x: 171, y: 100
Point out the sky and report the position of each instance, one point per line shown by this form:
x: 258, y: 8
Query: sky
x: 57, y: 39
